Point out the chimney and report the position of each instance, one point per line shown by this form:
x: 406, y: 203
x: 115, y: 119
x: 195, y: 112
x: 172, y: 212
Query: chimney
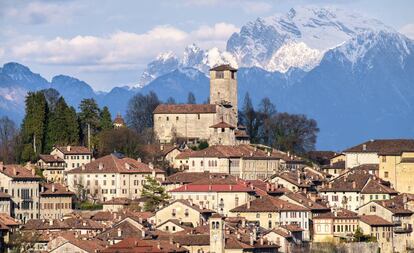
x: 364, y: 147
x: 162, y: 147
x: 83, y: 167
x: 151, y: 165
x: 119, y: 232
x: 248, y: 204
x: 209, y: 187
x: 353, y: 184
x: 127, y: 166
x: 238, y: 236
x: 100, y: 166
x: 139, y: 159
x: 231, y: 187
x: 185, y: 187
x: 33, y: 172
x: 251, y: 239
x: 68, y: 148
x: 51, y: 222
x: 267, y: 186
x: 272, y: 187
x: 53, y: 188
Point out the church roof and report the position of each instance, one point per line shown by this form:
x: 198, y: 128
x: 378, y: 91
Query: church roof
x: 185, y: 108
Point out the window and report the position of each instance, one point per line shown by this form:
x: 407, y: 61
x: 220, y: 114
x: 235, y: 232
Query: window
x: 386, y: 174
x: 257, y: 215
x: 384, y: 159
x: 269, y: 215
x: 372, y: 209
x: 176, y: 118
x: 168, y: 118
x: 220, y: 74
x: 198, y: 116
x: 233, y: 75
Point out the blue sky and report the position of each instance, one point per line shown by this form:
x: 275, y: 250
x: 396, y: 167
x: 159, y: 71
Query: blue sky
x: 108, y: 43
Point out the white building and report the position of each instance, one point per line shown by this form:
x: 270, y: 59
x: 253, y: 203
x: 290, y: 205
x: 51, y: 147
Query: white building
x: 74, y: 156
x: 111, y: 177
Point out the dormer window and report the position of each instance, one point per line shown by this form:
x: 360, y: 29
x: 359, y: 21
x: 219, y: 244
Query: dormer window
x: 219, y: 74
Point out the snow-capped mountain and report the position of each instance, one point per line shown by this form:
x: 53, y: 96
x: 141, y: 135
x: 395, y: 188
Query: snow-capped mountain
x: 258, y: 42
x: 350, y: 73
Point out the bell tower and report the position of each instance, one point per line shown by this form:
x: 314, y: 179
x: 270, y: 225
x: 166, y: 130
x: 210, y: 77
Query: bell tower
x: 223, y: 90
x: 217, y: 240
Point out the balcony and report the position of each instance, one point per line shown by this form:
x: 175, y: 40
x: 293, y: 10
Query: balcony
x: 403, y: 229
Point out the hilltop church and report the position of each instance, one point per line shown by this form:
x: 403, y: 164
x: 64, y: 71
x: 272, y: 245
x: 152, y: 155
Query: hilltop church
x: 216, y: 122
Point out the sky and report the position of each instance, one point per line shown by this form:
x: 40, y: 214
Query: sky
x: 109, y: 43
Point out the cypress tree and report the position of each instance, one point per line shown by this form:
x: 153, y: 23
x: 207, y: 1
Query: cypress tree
x: 105, y: 119
x: 34, y: 126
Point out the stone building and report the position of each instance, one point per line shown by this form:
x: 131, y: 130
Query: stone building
x: 215, y: 122
x: 74, y: 156
x: 55, y: 201
x: 52, y: 167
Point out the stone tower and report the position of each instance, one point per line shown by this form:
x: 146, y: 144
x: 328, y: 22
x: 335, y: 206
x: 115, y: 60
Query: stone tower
x: 223, y: 91
x: 217, y: 239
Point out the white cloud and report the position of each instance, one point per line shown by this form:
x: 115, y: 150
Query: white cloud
x: 39, y: 12
x: 248, y: 6
x: 408, y: 30
x: 119, y: 50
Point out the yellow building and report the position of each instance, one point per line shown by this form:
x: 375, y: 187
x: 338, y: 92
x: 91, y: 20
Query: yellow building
x: 52, y: 167
x: 55, y: 201
x: 379, y: 228
x: 398, y: 168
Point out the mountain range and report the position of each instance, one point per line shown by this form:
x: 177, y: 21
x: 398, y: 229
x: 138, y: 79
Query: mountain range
x: 353, y: 74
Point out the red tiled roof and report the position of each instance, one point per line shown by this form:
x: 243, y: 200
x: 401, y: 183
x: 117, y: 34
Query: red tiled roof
x: 184, y: 154
x: 384, y: 146
x: 54, y: 189
x: 153, y: 149
x: 113, y: 164
x: 189, y: 177
x: 74, y: 150
x: 375, y: 221
x: 268, y: 204
x: 51, y: 159
x: 229, y: 151
x: 184, y: 108
x: 18, y: 172
x: 213, y: 188
x: 339, y: 213
x: 137, y: 245
x: 222, y: 124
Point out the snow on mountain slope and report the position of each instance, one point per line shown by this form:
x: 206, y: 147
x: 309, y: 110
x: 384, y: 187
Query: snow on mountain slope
x: 318, y: 28
x: 297, y: 55
x: 163, y: 64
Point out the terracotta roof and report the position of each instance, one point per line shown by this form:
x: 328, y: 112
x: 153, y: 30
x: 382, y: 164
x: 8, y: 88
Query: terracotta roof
x: 52, y: 189
x: 375, y: 187
x: 229, y: 151
x: 321, y: 157
x: 66, y: 224
x: 162, y: 149
x: 90, y: 246
x: 384, y: 146
x: 189, y: 204
x: 51, y: 159
x: 292, y: 228
x: 188, y: 177
x: 184, y: 154
x: 294, y: 178
x: 268, y: 204
x: 375, y: 221
x: 138, y: 245
x: 8, y: 220
x: 222, y: 124
x: 338, y: 213
x: 17, y: 172
x: 120, y: 231
x: 185, y: 108
x: 396, y: 205
x: 336, y: 165
x: 302, y: 199
x: 119, y: 201
x: 223, y: 68
x: 113, y: 164
x: 74, y: 150
x: 192, y: 239
x: 194, y: 187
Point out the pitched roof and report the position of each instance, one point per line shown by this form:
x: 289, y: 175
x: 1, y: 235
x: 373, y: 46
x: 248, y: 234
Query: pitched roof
x: 51, y: 159
x: 223, y: 67
x: 188, y: 177
x: 17, y: 172
x: 384, y: 146
x: 162, y: 149
x: 113, y: 164
x: 230, y: 151
x: 74, y: 150
x: 192, y: 239
x: 90, y: 246
x: 120, y: 231
x: 194, y: 187
x: 302, y: 199
x: 190, y: 205
x: 138, y: 245
x: 8, y: 220
x: 184, y: 154
x: 222, y: 124
x: 53, y: 189
x: 268, y: 204
x: 185, y: 108
x: 338, y: 213
x: 374, y: 220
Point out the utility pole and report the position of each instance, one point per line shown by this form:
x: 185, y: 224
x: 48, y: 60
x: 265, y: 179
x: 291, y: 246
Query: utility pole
x: 89, y: 137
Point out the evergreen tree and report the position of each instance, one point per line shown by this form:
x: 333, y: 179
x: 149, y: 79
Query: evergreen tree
x: 34, y: 126
x: 62, y: 127
x: 89, y: 115
x: 170, y: 101
x: 105, y: 119
x: 154, y: 193
x: 191, y: 98
x: 250, y: 118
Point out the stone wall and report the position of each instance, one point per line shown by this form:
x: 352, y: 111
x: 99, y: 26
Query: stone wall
x: 351, y: 247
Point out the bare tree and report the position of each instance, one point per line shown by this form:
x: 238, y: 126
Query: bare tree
x: 8, y: 139
x: 139, y: 113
